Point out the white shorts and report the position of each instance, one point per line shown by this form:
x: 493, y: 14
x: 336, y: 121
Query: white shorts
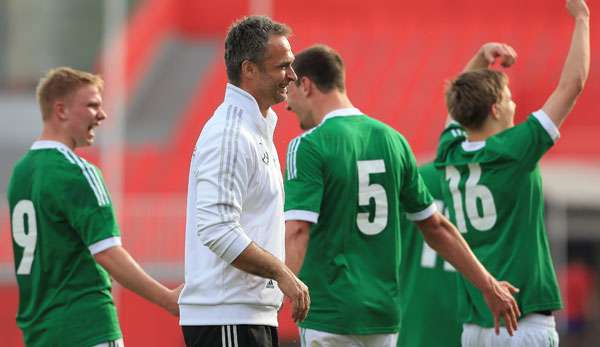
x: 115, y: 343
x: 535, y: 330
x: 316, y: 338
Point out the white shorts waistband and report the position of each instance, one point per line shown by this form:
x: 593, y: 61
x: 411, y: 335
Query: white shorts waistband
x: 227, y: 314
x: 532, y: 319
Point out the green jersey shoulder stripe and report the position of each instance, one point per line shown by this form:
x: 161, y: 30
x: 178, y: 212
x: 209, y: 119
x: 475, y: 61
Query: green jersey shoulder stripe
x: 291, y: 155
x: 292, y: 172
x: 290, y: 164
x: 90, y: 175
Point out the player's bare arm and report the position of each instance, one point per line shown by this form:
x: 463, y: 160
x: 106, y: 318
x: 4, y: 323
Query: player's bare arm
x: 489, y: 54
x: 259, y: 262
x: 443, y: 237
x: 127, y: 272
x: 296, y: 242
x: 576, y: 68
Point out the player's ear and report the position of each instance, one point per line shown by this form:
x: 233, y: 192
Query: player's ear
x: 248, y: 70
x: 307, y: 85
x: 59, y: 108
x: 494, y: 112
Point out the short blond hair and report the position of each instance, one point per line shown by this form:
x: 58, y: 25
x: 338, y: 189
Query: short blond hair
x: 61, y: 83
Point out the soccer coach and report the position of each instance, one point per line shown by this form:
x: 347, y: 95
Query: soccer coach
x: 234, y: 244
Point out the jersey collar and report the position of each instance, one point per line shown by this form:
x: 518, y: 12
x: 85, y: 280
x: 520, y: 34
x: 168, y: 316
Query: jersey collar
x: 342, y: 112
x: 266, y: 125
x: 471, y: 146
x: 49, y: 144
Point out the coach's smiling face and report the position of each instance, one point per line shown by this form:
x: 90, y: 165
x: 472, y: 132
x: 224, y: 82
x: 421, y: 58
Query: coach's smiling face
x: 275, y: 72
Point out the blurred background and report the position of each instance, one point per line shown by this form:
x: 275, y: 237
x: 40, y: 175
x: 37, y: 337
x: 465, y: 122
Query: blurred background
x: 162, y: 62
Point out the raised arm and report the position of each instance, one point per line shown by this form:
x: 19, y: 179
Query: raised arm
x: 443, y: 237
x: 576, y: 68
x: 487, y: 55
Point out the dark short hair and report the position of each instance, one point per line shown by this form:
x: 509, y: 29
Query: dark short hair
x: 247, y: 39
x: 322, y: 65
x: 470, y: 97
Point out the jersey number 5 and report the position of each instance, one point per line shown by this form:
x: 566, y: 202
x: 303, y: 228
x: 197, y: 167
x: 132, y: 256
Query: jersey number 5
x: 474, y: 192
x: 24, y: 210
x: 368, y: 191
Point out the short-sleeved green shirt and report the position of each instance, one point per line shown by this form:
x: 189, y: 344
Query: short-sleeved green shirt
x: 428, y: 296
x: 493, y: 190
x: 60, y: 212
x: 348, y: 176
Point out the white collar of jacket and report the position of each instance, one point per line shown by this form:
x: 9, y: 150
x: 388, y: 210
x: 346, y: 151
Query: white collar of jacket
x: 265, y: 125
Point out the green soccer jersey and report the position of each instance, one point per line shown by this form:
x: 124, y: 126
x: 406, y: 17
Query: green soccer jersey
x: 348, y: 176
x: 61, y: 213
x: 428, y: 296
x: 493, y: 190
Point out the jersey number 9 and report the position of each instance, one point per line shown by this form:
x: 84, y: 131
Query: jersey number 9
x: 24, y: 211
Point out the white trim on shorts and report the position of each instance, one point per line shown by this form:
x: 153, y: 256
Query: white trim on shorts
x: 325, y: 339
x: 534, y: 330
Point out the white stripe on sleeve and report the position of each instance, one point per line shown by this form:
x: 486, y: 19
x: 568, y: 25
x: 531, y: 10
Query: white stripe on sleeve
x: 105, y: 244
x: 419, y: 216
x: 307, y: 216
x: 547, y: 124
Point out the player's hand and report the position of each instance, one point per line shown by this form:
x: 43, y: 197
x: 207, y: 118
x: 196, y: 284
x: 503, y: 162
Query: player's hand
x: 297, y: 292
x: 493, y: 51
x: 170, y: 303
x: 578, y: 8
x: 499, y: 298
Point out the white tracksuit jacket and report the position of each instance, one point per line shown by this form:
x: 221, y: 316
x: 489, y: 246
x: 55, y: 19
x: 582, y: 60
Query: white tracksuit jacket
x: 235, y: 196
